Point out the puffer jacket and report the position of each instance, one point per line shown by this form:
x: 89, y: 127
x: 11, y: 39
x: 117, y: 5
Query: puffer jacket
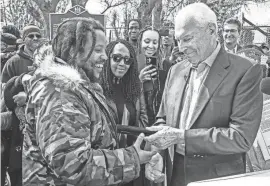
x: 70, y: 137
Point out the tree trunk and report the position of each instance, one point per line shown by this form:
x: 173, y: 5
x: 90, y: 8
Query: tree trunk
x: 156, y: 14
x: 46, y: 7
x: 145, y: 11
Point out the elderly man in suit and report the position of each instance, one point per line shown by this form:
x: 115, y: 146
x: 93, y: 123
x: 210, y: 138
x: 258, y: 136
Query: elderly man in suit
x: 211, y: 106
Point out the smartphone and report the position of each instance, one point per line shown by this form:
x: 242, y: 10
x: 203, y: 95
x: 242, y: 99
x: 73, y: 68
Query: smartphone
x: 175, y: 43
x: 152, y: 61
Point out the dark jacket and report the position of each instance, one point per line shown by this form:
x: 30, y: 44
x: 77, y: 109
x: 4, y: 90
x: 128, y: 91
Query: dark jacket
x: 6, y: 55
x: 13, y: 87
x: 141, y: 116
x: 16, y: 65
x: 226, y: 118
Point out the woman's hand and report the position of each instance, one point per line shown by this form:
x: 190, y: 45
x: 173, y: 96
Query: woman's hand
x: 147, y: 73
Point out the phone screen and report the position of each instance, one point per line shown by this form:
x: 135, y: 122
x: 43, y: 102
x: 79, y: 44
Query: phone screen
x: 151, y: 61
x: 175, y: 42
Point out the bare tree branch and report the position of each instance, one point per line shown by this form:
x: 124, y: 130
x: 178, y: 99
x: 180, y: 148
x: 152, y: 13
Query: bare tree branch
x: 172, y: 9
x: 111, y: 5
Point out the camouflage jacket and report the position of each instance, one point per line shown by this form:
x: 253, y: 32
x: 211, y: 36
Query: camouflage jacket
x: 70, y: 137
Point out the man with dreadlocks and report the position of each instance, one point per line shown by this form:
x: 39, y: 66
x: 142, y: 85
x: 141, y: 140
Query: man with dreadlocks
x: 70, y: 136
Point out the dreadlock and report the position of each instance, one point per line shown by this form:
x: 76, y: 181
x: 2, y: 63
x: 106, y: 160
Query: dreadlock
x: 131, y: 82
x: 71, y: 34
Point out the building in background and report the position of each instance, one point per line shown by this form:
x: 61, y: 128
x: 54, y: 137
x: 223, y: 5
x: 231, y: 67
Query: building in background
x: 257, y: 13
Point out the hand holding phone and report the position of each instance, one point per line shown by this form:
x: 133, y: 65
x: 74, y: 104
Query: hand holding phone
x: 153, y: 62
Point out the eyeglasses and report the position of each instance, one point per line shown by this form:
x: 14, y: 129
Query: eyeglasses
x: 133, y: 28
x: 230, y: 30
x: 118, y: 58
x: 31, y: 36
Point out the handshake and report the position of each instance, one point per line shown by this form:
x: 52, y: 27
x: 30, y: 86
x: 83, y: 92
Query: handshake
x: 153, y: 161
x: 160, y: 138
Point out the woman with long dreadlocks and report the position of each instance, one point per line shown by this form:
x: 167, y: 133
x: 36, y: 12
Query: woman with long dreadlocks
x: 70, y: 135
x: 122, y: 89
x: 153, y: 70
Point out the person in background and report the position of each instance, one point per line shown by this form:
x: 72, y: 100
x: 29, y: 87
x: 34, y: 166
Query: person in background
x: 231, y: 34
x: 211, y: 106
x: 12, y: 29
x: 71, y: 137
x: 266, y: 56
x: 8, y: 47
x: 265, y: 48
x: 23, y: 59
x: 152, y: 76
x: 122, y: 89
x: 167, y: 45
x: 134, y: 27
x: 18, y: 64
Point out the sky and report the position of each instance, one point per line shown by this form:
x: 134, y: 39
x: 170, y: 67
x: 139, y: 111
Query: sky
x: 94, y: 7
x: 258, y: 13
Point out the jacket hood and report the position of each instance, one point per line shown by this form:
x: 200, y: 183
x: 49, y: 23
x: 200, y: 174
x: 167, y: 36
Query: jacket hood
x: 58, y: 71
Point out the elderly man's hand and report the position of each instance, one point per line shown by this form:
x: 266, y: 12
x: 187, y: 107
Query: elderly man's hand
x: 165, y: 136
x: 153, y: 169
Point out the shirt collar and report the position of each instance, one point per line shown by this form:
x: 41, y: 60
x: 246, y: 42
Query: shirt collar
x: 210, y: 60
x: 234, y: 49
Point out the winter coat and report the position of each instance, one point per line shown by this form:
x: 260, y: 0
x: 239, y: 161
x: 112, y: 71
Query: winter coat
x: 16, y: 65
x: 70, y: 137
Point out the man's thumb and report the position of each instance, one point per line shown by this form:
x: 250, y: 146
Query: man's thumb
x: 139, y: 140
x: 155, y: 159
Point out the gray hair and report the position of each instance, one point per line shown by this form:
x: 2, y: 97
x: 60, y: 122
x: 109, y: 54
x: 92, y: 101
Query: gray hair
x: 199, y: 12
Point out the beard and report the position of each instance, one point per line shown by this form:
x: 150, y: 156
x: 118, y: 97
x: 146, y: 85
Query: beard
x: 91, y: 75
x: 91, y: 71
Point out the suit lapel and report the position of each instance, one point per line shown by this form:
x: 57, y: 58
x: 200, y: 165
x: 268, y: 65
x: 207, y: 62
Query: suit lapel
x: 217, y: 73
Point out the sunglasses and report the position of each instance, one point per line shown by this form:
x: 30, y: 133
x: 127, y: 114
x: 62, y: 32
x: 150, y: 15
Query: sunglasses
x: 118, y: 58
x: 31, y: 36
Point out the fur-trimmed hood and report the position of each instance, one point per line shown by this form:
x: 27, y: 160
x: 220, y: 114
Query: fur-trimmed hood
x: 57, y: 70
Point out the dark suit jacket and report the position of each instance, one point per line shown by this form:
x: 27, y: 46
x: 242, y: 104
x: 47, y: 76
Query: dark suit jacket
x: 226, y: 118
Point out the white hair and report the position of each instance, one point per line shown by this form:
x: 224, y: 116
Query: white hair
x: 199, y: 12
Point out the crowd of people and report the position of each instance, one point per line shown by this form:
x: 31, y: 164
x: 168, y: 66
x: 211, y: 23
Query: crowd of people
x: 197, y: 99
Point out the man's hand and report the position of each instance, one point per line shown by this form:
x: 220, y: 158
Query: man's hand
x: 144, y: 156
x: 146, y: 73
x: 20, y: 98
x: 153, y: 169
x: 165, y: 136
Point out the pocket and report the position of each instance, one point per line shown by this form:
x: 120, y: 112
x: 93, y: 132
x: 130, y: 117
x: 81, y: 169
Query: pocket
x: 230, y: 168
